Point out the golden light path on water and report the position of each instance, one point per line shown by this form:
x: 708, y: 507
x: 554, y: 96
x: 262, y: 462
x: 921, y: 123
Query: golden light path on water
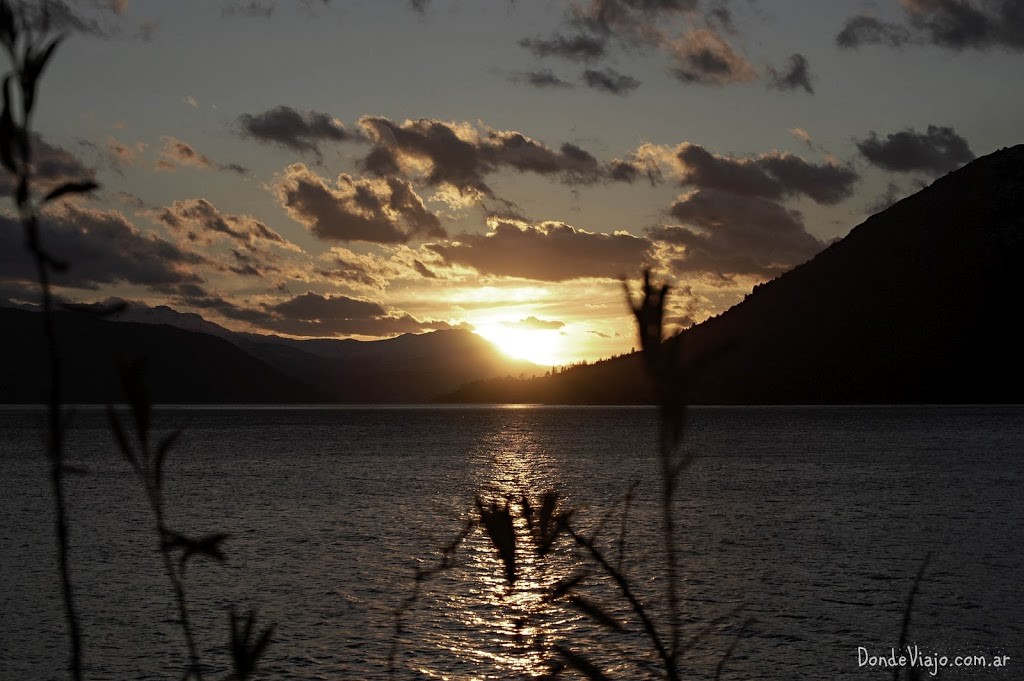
x: 495, y: 629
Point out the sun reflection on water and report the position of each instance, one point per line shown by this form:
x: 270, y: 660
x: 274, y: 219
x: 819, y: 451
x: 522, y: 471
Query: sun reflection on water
x: 493, y: 629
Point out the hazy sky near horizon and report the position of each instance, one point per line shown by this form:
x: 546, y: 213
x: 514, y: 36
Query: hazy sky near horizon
x: 359, y: 168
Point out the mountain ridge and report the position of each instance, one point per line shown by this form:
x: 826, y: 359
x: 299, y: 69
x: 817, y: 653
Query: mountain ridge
x: 910, y: 306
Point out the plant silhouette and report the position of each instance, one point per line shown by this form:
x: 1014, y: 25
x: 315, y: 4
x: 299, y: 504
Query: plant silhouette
x: 27, y: 39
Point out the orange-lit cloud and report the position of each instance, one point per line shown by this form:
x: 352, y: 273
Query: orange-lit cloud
x: 376, y: 210
x: 549, y: 251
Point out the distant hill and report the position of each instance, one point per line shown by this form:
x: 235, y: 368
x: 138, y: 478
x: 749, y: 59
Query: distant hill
x: 207, y: 364
x: 916, y: 305
x: 183, y: 367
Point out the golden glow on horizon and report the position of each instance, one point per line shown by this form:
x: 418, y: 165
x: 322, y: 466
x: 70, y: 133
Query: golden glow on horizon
x: 540, y: 346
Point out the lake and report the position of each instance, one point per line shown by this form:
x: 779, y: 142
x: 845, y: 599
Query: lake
x: 801, y: 530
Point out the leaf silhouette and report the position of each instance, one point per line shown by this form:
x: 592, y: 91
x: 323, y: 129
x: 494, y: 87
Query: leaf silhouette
x: 498, y: 523
x: 581, y: 664
x: 246, y: 652
x: 162, y: 449
x: 209, y: 546
x: 71, y: 188
x: 594, y: 612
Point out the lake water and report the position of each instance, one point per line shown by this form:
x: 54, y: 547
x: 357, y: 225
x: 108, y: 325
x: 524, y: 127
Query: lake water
x: 801, y: 530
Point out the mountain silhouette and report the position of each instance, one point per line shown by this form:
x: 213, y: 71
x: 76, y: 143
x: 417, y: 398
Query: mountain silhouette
x: 915, y: 305
x: 213, y: 365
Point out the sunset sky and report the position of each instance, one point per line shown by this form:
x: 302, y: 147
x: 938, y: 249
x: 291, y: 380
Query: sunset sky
x: 367, y: 168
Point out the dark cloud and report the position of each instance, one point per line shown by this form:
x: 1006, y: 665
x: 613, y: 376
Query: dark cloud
x: 774, y: 175
x: 543, y: 78
x: 459, y: 155
x: 377, y: 210
x: 892, y: 194
x: 425, y: 271
x: 726, y: 234
x: 609, y: 80
x: 253, y: 8
x: 936, y: 151
x: 315, y: 315
x: 869, y: 30
x: 534, y: 324
x: 52, y: 166
x: 632, y: 169
x: 201, y: 221
x: 636, y: 21
x: 286, y: 127
x: 579, y: 47
x: 550, y: 251
x: 61, y: 17
x: 951, y: 24
x: 102, y: 247
x: 315, y: 307
x: 796, y: 76
x: 703, y: 57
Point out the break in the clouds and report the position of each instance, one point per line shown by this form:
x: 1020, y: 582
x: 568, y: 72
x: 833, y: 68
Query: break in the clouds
x: 704, y: 57
x: 459, y: 155
x: 936, y: 151
x: 724, y: 234
x: 285, y: 127
x: 797, y: 75
x: 952, y: 24
x: 100, y: 247
x: 532, y: 323
x: 384, y: 210
x: 200, y: 221
x: 549, y: 251
x: 610, y: 80
x: 542, y: 78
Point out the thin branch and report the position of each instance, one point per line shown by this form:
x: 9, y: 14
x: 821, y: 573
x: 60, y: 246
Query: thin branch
x: 627, y: 592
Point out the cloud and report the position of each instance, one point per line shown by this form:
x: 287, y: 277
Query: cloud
x: 285, y: 127
x: 938, y: 150
x: 102, y: 247
x: 892, y: 194
x: 726, y: 234
x: 609, y: 80
x: 315, y: 315
x: 796, y: 76
x: 543, y: 78
x: 802, y: 135
x: 60, y: 16
x: 549, y: 251
x: 52, y: 166
x: 579, y: 47
x: 377, y: 210
x: 175, y: 154
x: 200, y: 221
x: 459, y: 155
x: 253, y: 8
x: 951, y: 24
x: 636, y: 21
x: 774, y: 175
x: 703, y: 57
x: 425, y: 271
x: 868, y: 30
x: 315, y: 307
x: 533, y: 324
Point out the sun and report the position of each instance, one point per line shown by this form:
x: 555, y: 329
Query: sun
x: 540, y: 346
